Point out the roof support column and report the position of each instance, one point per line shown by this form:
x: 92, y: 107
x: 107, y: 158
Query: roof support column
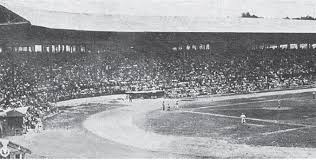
x: 63, y: 48
x: 60, y: 48
x: 50, y: 48
x: 33, y: 48
x: 71, y: 48
x: 76, y: 48
x: 29, y: 49
x: 57, y: 48
x: 43, y: 48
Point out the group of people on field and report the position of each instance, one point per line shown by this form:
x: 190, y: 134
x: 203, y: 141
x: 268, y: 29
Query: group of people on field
x: 168, y: 107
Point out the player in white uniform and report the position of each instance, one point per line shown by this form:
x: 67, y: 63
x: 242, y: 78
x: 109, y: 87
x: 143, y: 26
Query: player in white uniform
x: 243, y: 118
x: 279, y: 104
x: 177, y: 104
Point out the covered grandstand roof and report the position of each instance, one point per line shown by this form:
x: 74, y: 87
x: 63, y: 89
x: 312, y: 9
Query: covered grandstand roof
x: 8, y: 17
x: 135, y: 23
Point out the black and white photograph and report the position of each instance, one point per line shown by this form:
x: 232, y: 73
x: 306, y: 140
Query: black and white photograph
x: 157, y: 79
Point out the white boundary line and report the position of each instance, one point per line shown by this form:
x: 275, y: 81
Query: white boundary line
x: 254, y: 119
x: 286, y: 130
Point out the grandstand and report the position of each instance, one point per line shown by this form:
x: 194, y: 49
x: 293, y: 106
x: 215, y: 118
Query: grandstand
x: 213, y: 58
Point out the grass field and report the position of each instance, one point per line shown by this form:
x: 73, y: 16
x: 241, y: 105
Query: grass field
x: 291, y: 125
x: 70, y: 117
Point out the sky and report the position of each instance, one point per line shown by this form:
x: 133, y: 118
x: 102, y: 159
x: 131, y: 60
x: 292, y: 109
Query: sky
x: 205, y: 8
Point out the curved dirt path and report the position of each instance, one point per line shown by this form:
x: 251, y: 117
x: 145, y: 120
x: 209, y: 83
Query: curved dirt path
x: 77, y: 142
x: 118, y: 125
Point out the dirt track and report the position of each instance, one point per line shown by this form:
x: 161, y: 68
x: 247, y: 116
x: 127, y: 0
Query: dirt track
x: 68, y: 139
x: 118, y: 125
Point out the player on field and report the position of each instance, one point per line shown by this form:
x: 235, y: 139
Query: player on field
x: 177, y: 104
x: 168, y: 109
x: 243, y: 118
x: 130, y: 98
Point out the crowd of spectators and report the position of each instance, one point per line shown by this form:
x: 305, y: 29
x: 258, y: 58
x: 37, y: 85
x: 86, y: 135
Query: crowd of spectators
x: 37, y: 79
x: 252, y: 71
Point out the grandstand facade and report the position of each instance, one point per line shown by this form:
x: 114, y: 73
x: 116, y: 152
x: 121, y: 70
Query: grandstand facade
x: 48, y: 32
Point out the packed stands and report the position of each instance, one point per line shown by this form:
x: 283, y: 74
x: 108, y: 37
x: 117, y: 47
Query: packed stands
x: 36, y: 80
x: 62, y: 77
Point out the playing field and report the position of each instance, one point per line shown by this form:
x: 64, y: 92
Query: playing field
x: 282, y: 120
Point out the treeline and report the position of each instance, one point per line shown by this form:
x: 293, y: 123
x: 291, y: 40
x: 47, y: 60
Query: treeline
x: 248, y: 15
x: 305, y: 18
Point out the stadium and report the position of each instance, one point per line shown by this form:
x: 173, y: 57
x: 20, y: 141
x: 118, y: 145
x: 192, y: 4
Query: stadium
x: 119, y: 86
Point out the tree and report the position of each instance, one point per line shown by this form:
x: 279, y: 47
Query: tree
x: 248, y: 15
